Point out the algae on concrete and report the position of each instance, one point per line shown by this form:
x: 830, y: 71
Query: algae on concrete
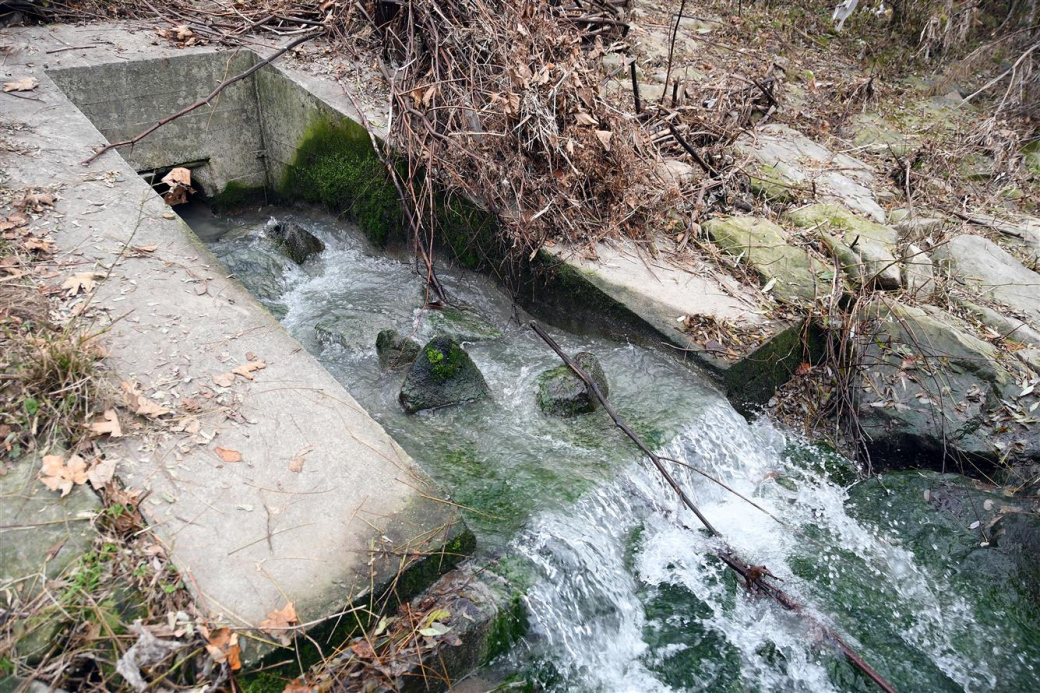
x: 873, y: 242
x: 763, y: 246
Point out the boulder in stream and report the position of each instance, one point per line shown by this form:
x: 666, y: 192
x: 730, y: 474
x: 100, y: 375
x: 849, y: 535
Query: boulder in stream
x: 442, y: 374
x: 462, y: 325
x: 294, y: 240
x: 260, y: 269
x: 562, y: 393
x: 395, y: 351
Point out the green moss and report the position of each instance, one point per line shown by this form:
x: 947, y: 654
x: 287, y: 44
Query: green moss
x: 444, y: 366
x: 771, y: 185
x: 236, y: 196
x: 509, y: 625
x: 469, y: 232
x: 335, y: 166
x: 262, y: 683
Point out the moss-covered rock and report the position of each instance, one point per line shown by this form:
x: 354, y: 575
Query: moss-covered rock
x: 866, y: 248
x: 395, y: 351
x: 295, y: 241
x: 462, y: 325
x: 443, y: 374
x: 562, y: 393
x: 763, y: 245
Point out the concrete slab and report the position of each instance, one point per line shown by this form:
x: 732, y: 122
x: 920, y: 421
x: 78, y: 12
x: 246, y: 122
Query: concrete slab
x: 247, y: 535
x: 41, y: 533
x: 624, y: 288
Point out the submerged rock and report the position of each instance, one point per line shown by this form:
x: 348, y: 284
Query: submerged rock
x: 345, y: 330
x: 395, y: 351
x: 563, y: 393
x: 294, y: 240
x: 866, y: 249
x: 461, y: 325
x: 442, y: 374
x: 262, y: 270
x: 763, y: 245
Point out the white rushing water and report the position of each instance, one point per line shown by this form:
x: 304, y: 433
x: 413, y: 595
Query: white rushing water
x: 601, y: 562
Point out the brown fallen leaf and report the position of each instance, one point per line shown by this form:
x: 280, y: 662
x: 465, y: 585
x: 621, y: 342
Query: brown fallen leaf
x: 246, y: 370
x: 224, y: 379
x: 222, y: 645
x: 296, y: 464
x: 82, y: 282
x: 109, y: 425
x: 278, y: 623
x: 297, y: 686
x: 36, y: 201
x: 139, y: 404
x: 58, y: 475
x: 604, y: 138
x: 23, y: 84
x: 101, y: 472
x: 42, y: 244
x: 228, y: 455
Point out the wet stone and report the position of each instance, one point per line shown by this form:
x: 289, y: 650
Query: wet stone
x: 395, y: 351
x: 462, y: 325
x: 295, y: 241
x: 562, y: 393
x: 443, y: 374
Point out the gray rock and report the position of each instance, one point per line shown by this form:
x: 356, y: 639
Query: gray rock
x: 443, y: 374
x: 787, y: 161
x: 294, y: 240
x: 763, y: 245
x: 872, y: 133
x: 918, y: 273
x: 1030, y: 357
x: 395, y: 351
x: 461, y: 325
x: 1012, y: 328
x: 563, y: 393
x: 260, y: 268
x: 344, y: 330
x: 869, y: 249
x: 993, y: 274
x: 927, y: 390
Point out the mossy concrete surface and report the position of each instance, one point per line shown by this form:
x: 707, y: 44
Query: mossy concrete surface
x: 866, y: 248
x: 763, y: 246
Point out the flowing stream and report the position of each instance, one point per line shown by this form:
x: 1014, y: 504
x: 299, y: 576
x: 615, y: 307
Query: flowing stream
x: 621, y: 588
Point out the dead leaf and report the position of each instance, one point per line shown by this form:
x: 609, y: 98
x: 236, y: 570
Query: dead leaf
x: 224, y: 379
x: 296, y: 464
x: 297, y: 686
x: 44, y: 245
x: 81, y: 283
x: 246, y: 370
x: 584, y: 118
x: 18, y: 219
x: 228, y: 455
x: 109, y: 425
x: 604, y: 138
x: 58, y: 475
x: 23, y: 84
x: 36, y: 201
x: 139, y: 404
x: 223, y: 646
x: 101, y: 472
x: 177, y: 176
x: 278, y: 622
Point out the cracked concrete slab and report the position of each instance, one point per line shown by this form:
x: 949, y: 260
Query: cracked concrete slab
x: 247, y: 535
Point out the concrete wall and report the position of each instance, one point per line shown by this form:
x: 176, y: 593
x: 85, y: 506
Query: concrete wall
x: 123, y: 99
